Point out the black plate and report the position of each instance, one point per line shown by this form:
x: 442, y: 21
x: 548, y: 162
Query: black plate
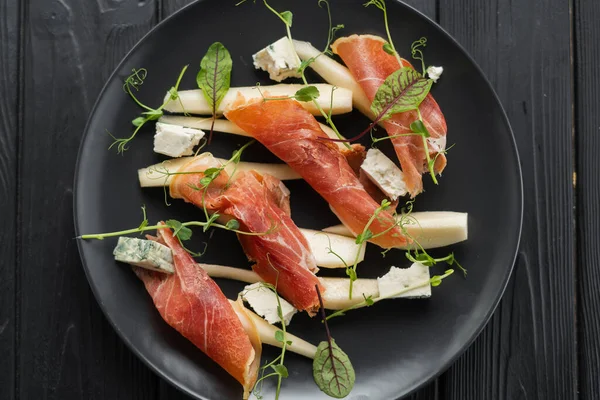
x: 396, y: 346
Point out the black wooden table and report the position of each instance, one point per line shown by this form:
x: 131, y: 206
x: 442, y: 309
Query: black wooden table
x: 542, y: 56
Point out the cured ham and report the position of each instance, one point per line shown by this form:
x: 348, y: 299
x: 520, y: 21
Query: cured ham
x: 371, y: 65
x: 192, y: 303
x: 260, y: 203
x: 294, y: 135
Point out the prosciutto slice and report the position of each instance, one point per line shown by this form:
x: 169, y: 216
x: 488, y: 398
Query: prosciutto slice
x: 260, y: 203
x: 192, y: 303
x: 295, y: 136
x: 371, y: 65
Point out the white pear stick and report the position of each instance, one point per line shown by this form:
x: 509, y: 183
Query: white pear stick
x: 335, y: 296
x: 318, y: 244
x: 266, y: 332
x: 193, y: 101
x: 225, y: 126
x: 432, y: 229
x: 154, y: 175
x: 336, y: 74
x: 323, y: 243
x: 235, y: 274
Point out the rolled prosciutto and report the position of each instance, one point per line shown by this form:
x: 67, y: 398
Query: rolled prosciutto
x: 371, y: 65
x: 295, y: 136
x: 260, y: 203
x: 192, y: 303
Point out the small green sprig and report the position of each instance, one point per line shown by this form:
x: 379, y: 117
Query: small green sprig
x: 417, y: 53
x: 277, y: 365
x: 180, y: 229
x: 132, y: 83
x: 214, y: 78
x: 434, y: 281
x: 286, y: 17
x: 389, y: 46
x: 362, y: 239
x: 332, y: 370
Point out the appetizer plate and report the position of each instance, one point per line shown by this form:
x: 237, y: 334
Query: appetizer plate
x: 395, y: 346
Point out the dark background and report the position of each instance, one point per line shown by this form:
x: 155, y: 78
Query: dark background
x: 541, y: 55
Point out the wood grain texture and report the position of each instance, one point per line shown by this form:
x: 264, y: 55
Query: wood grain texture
x: 9, y: 134
x: 528, y: 350
x: 427, y: 7
x: 67, y: 350
x: 587, y: 57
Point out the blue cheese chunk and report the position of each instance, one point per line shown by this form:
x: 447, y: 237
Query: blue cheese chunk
x: 175, y: 140
x: 279, y: 60
x: 384, y: 173
x: 399, y: 279
x: 144, y: 253
x: 264, y: 302
x: 434, y: 73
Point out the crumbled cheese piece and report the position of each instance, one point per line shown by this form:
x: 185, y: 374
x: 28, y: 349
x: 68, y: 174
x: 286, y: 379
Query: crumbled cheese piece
x: 264, y: 302
x: 401, y: 278
x: 175, y: 140
x: 144, y: 253
x: 434, y: 73
x: 279, y: 60
x: 384, y: 173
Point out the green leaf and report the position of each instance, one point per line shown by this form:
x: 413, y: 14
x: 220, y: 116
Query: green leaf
x: 287, y: 16
x: 351, y: 274
x: 333, y: 371
x: 139, y: 121
x: 402, y: 91
x: 308, y: 93
x: 364, y: 236
x: 212, y: 173
x: 173, y: 93
x: 279, y: 336
x: 182, y: 232
x: 153, y: 115
x: 205, y: 181
x: 368, y: 300
x: 435, y: 280
x: 388, y: 49
x: 233, y: 224
x: 281, y: 370
x: 419, y: 127
x: 144, y: 221
x: 214, y: 76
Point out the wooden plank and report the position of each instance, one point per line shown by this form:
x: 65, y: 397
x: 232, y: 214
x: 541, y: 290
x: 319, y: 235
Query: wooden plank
x: 9, y: 87
x: 587, y: 56
x: 427, y: 7
x: 528, y: 350
x: 67, y: 350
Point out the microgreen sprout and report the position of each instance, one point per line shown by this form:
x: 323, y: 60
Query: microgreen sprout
x: 332, y: 370
x: 277, y: 365
x: 434, y: 281
x: 132, y: 83
x: 286, y: 17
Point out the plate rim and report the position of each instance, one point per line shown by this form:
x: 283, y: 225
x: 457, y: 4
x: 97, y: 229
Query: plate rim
x: 418, y: 383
